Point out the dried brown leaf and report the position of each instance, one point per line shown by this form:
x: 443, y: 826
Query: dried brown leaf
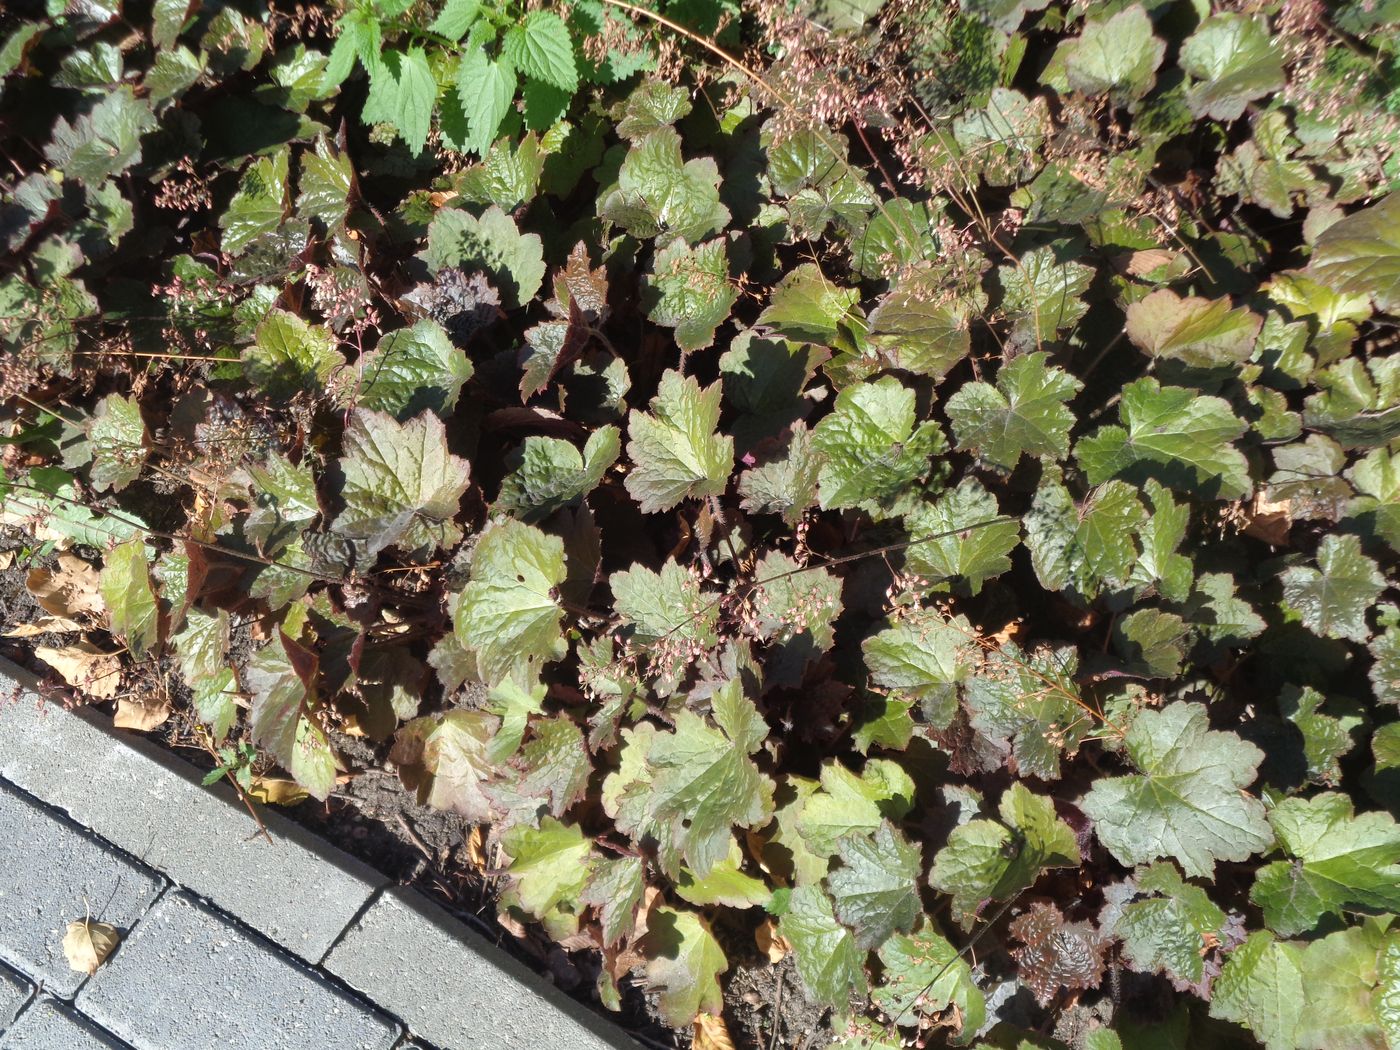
x: 87, y: 944
x: 141, y: 714
x: 72, y: 590
x: 85, y: 667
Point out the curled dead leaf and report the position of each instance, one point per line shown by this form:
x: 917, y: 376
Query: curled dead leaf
x: 141, y: 713
x: 770, y: 942
x: 87, y: 944
x: 85, y: 667
x: 1268, y: 520
x: 44, y: 625
x: 710, y: 1033
x: 476, y: 847
x: 72, y: 589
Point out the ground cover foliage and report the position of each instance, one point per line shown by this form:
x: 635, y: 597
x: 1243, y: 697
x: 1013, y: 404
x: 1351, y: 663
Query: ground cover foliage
x: 905, y: 489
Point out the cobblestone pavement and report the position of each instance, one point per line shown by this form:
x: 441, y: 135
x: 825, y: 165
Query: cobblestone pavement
x: 227, y: 942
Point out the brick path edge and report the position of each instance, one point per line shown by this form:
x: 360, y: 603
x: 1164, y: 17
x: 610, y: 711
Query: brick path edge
x: 449, y: 985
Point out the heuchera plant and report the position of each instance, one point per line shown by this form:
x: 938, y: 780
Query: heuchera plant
x: 908, y: 489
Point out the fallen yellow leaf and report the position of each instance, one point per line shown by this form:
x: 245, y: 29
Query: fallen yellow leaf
x: 277, y: 791
x: 87, y: 944
x: 85, y: 667
x: 709, y: 1033
x: 141, y: 715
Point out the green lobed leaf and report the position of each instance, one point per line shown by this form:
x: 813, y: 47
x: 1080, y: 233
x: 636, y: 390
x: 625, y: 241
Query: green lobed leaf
x: 290, y: 356
x: 402, y: 93
x: 1024, y: 414
x: 1340, y: 862
x: 675, y: 451
x: 117, y: 437
x: 829, y: 962
x: 1200, y: 333
x: 1333, y: 599
x: 875, y: 890
x: 412, y: 370
x: 688, y: 289
x: 684, y: 962
x: 509, y: 614
x: 1233, y: 59
x: 285, y: 714
x: 130, y: 598
x: 403, y: 488
x: 1187, y: 800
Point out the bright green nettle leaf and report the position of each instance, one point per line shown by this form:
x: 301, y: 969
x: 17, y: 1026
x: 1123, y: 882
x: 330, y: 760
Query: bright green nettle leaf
x: 540, y: 47
x: 1327, y: 736
x: 986, y: 860
x: 668, y: 614
x: 1169, y: 926
x: 1376, y: 478
x: 201, y: 646
x: 509, y: 614
x: 1029, y: 702
x: 675, y: 450
x: 1385, y: 747
x: 129, y: 597
x: 660, y: 195
x: 786, y: 482
x: 485, y: 90
x: 290, y: 357
x: 513, y: 260
x: 1385, y: 661
x: 961, y: 536
x: 849, y: 804
x: 925, y: 976
x: 446, y: 759
x: 549, y: 867
x: 615, y: 888
x: 1181, y: 438
x: 1360, y: 255
x: 411, y: 370
x: 1024, y: 414
x: 726, y: 884
x: 117, y: 438
x: 688, y: 289
x: 402, y: 94
x: 1233, y: 59
x: 1160, y: 566
x: 284, y: 502
x: 550, y: 473
x: 829, y: 962
x: 1333, y: 599
x: 1340, y: 862
x: 1200, y: 333
x: 1337, y: 992
x: 1187, y: 801
x: 105, y: 141
x: 875, y: 889
x: 652, y: 104
x: 926, y: 656
x: 1117, y: 56
x: 259, y: 205
x: 699, y: 782
x: 874, y: 448
x: 919, y: 332
x: 808, y: 306
x: 1151, y: 642
x: 1043, y: 295
x: 684, y: 962
x: 403, y: 488
x: 901, y: 233
x: 286, y: 713
x: 326, y: 177
x: 1083, y: 546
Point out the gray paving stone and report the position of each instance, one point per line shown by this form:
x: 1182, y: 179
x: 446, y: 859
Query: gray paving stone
x: 152, y: 805
x: 14, y: 993
x: 51, y: 1025
x: 189, y: 978
x: 452, y: 987
x: 51, y: 874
